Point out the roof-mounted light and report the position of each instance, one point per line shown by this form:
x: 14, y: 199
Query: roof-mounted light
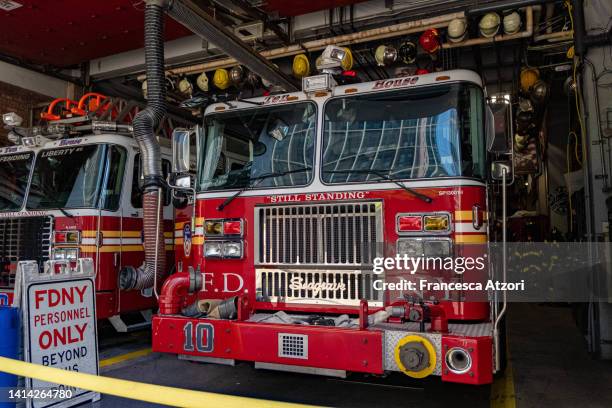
x: 12, y: 119
x: 323, y: 82
x: 13, y: 137
x: 30, y: 141
x: 335, y: 58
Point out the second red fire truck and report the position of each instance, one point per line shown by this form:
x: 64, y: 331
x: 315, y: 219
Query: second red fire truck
x: 71, y: 189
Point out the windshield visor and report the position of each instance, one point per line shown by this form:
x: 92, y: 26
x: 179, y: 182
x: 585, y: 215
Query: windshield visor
x: 409, y: 134
x: 67, y: 178
x: 14, y: 174
x: 247, y: 148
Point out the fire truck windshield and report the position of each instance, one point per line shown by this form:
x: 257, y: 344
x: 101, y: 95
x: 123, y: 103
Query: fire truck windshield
x: 14, y: 174
x: 72, y: 177
x: 429, y: 132
x: 273, y: 141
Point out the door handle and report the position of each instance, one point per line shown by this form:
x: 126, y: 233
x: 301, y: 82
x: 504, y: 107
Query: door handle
x: 477, y: 216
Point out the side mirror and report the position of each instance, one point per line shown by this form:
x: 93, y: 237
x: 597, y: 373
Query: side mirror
x: 498, y: 168
x: 180, y: 151
x: 499, y: 126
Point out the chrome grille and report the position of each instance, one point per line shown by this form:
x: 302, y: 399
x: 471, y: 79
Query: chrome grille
x: 27, y: 238
x: 316, y: 286
x: 322, y: 234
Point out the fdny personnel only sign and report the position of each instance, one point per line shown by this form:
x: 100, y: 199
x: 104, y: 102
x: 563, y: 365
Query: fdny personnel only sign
x: 60, y: 329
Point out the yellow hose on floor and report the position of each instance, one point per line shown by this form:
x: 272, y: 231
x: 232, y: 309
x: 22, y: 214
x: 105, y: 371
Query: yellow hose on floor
x: 156, y: 394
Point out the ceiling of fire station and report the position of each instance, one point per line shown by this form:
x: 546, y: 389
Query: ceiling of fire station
x: 64, y: 33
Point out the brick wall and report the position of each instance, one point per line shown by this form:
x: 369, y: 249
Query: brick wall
x: 19, y: 100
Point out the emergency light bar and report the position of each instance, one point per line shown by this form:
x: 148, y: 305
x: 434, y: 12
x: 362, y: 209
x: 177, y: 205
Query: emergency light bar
x: 323, y: 82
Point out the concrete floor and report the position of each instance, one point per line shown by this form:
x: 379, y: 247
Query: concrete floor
x: 550, y: 362
x: 549, y: 368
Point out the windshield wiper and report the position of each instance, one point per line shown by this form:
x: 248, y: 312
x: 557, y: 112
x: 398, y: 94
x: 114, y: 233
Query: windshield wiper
x: 66, y: 213
x: 382, y: 175
x: 258, y: 178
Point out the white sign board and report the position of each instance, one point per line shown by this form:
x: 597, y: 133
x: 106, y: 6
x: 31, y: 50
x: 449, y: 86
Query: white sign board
x: 60, y: 330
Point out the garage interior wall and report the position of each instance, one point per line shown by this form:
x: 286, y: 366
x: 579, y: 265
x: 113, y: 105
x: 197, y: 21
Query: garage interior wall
x: 20, y: 101
x: 597, y: 19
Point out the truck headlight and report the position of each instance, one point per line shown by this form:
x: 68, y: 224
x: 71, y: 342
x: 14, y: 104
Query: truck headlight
x: 71, y: 253
x: 232, y: 249
x: 437, y: 247
x: 12, y: 119
x: 413, y: 247
x: 59, y: 253
x: 417, y: 247
x: 212, y: 249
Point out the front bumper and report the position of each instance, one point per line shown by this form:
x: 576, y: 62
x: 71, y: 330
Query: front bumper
x: 367, y: 351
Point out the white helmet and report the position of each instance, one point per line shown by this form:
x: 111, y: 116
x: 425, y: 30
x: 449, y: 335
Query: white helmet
x: 202, y: 82
x: 489, y: 25
x: 457, y: 30
x: 512, y: 23
x: 185, y: 86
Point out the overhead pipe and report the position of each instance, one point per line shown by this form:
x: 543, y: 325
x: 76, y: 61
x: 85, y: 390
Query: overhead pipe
x: 205, y: 26
x: 528, y: 32
x: 507, y: 5
x: 373, y: 34
x: 555, y: 36
x: 145, y: 122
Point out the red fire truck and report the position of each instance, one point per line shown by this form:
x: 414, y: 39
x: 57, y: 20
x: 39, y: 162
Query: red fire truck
x: 71, y: 189
x: 298, y: 196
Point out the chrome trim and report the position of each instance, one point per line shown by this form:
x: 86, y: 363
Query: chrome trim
x: 222, y: 221
x: 423, y: 231
x: 78, y: 241
x: 222, y: 244
x: 449, y: 362
x: 423, y: 239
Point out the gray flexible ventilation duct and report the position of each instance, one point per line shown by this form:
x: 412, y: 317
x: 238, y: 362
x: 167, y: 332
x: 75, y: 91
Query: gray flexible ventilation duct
x: 145, y: 123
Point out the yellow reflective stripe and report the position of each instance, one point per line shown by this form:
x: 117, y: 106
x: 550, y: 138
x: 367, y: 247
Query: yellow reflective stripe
x: 156, y: 394
x: 463, y: 216
x: 471, y: 239
x: 467, y: 215
x: 194, y: 241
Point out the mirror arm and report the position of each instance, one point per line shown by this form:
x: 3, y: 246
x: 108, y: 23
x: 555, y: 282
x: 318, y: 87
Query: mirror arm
x: 190, y: 190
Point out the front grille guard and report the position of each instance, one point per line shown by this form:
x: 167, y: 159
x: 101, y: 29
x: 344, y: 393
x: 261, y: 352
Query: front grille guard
x: 343, y: 234
x: 318, y: 254
x: 23, y: 238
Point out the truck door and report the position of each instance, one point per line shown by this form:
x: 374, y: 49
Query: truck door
x: 108, y: 225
